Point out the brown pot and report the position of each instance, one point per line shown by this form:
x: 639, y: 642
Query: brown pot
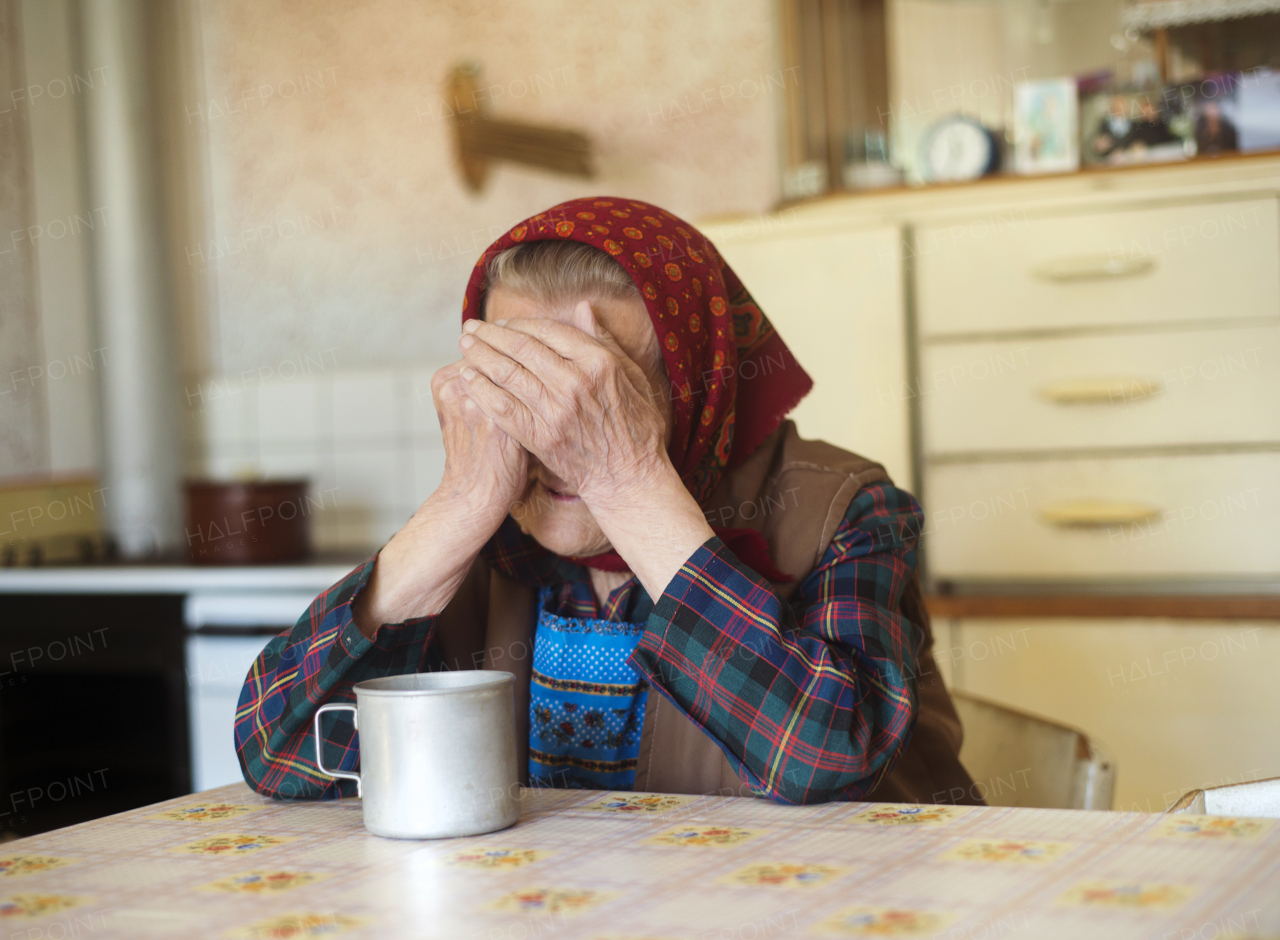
x: 250, y: 523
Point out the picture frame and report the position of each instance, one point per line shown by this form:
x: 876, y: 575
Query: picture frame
x: 1120, y: 128
x: 1045, y: 126
x: 1254, y: 107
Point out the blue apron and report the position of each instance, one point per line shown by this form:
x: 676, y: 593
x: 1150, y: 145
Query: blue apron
x: 586, y: 705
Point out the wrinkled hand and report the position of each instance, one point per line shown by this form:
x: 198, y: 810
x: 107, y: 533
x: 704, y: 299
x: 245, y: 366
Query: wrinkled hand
x: 420, y: 569
x: 572, y: 397
x: 485, y: 469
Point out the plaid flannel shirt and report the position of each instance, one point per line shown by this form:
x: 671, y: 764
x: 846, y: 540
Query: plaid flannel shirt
x: 811, y: 700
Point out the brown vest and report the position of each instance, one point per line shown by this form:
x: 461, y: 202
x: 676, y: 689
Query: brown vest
x: 795, y: 493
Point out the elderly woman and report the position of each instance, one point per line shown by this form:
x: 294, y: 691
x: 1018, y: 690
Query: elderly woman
x: 692, y: 598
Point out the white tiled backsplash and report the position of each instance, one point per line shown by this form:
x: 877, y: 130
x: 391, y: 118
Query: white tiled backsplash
x: 368, y: 440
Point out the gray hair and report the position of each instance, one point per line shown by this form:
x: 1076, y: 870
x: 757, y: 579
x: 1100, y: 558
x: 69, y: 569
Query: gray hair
x: 559, y: 271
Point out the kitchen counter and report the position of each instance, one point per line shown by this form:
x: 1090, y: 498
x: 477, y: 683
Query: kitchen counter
x: 309, y: 577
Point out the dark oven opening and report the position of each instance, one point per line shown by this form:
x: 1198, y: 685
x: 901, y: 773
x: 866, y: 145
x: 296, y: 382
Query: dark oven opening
x: 93, y: 714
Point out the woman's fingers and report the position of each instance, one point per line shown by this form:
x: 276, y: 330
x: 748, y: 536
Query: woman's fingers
x: 447, y: 387
x: 522, y: 346
x: 504, y: 409
x: 443, y: 376
x: 594, y: 353
x: 501, y: 369
x: 564, y: 339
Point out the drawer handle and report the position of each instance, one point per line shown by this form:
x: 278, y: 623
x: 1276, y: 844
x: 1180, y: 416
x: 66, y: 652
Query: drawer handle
x: 1096, y: 513
x: 1092, y: 268
x: 1100, y: 391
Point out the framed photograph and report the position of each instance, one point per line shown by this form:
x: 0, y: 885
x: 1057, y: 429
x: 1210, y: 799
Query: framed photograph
x: 1254, y: 108
x: 1045, y: 135
x: 1214, y: 111
x: 1227, y: 112
x: 1136, y: 127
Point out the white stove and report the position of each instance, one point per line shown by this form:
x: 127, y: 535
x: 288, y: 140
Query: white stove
x: 226, y: 633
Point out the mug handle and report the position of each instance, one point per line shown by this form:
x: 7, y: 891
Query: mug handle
x: 341, y: 774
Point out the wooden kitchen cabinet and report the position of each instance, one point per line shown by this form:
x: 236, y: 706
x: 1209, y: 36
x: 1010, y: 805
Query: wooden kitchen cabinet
x: 1157, y: 517
x: 1181, y: 703
x: 1098, y: 391
x: 1084, y: 374
x: 1152, y: 389
x: 837, y: 299
x: 1125, y: 264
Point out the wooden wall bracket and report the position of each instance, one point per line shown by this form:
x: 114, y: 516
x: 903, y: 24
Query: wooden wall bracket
x: 481, y: 140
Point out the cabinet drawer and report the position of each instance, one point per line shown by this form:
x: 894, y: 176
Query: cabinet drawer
x: 1202, y: 386
x: 1208, y: 516
x: 1214, y: 260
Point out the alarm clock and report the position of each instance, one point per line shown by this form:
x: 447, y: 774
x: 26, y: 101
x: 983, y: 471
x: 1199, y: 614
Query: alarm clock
x: 958, y: 148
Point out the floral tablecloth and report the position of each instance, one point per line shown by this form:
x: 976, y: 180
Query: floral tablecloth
x: 599, y: 866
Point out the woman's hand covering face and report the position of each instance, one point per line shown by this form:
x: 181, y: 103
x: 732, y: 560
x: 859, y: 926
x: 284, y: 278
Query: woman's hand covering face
x: 484, y: 467
x: 572, y: 397
x: 420, y: 569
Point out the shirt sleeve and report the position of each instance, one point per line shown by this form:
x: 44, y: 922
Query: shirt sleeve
x: 811, y: 700
x: 316, y: 663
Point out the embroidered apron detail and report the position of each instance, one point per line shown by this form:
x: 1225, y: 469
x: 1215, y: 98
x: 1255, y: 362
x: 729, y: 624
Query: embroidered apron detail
x: 586, y: 704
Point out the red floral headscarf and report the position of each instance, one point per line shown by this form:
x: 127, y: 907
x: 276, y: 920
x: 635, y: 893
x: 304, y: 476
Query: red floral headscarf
x: 733, y: 379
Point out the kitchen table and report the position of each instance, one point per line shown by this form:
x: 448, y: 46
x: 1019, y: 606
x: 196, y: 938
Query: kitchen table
x: 585, y: 864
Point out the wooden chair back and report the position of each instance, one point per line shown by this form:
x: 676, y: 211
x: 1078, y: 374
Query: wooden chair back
x: 1020, y: 759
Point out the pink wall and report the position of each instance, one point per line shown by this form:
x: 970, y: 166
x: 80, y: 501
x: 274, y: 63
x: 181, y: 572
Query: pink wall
x: 335, y: 217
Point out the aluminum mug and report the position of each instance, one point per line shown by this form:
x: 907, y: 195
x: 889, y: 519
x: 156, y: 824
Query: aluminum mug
x: 437, y: 753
